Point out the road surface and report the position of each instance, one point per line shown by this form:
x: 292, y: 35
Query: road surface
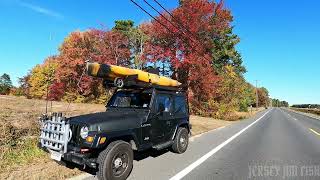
x: 276, y: 144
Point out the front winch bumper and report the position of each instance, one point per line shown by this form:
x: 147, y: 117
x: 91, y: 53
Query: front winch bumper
x: 55, y: 134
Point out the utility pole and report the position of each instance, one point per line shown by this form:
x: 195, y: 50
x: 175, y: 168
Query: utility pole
x: 257, y: 96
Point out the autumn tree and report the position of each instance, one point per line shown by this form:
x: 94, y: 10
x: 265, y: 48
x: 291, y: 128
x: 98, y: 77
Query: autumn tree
x: 233, y: 93
x: 187, y: 39
x: 248, y: 98
x: 263, y: 97
x: 180, y: 47
x: 41, y: 78
x: 24, y: 85
x: 193, y: 43
x: 109, y: 47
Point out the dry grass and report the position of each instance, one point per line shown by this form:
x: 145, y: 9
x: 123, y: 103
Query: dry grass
x: 306, y: 110
x: 246, y: 115
x: 19, y: 156
x: 205, y: 124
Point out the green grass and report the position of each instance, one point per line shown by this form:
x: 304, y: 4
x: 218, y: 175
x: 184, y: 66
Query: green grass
x: 20, y: 154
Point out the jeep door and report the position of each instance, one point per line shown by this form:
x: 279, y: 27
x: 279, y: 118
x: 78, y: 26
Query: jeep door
x: 162, y: 123
x: 180, y: 110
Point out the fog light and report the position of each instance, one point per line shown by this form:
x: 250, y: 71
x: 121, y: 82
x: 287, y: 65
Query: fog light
x: 102, y: 140
x: 89, y: 139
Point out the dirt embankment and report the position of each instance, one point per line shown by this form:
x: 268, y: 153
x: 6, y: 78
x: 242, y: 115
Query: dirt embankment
x: 19, y: 156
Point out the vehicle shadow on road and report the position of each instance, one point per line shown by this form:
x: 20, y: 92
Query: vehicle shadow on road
x: 138, y: 156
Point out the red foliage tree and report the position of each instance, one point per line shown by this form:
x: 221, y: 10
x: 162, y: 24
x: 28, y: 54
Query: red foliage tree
x: 109, y: 47
x: 186, y: 42
x: 56, y: 91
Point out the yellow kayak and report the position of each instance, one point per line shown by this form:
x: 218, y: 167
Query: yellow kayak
x: 112, y: 72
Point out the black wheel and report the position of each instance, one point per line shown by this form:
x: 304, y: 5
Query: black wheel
x: 115, y: 162
x: 181, y: 141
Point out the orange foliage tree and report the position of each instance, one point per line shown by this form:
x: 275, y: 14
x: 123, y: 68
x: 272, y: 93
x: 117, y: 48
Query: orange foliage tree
x: 94, y: 45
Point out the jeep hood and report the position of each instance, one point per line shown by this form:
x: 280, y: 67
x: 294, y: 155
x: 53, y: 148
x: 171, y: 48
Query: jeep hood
x: 112, y: 119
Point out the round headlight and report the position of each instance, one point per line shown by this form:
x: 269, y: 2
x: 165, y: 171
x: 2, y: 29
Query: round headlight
x: 84, y: 132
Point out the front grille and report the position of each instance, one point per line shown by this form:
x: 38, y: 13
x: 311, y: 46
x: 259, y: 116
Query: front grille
x: 55, y: 133
x: 75, y: 128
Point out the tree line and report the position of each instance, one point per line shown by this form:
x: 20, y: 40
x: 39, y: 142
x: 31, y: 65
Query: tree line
x: 313, y: 106
x: 279, y: 103
x: 194, y: 44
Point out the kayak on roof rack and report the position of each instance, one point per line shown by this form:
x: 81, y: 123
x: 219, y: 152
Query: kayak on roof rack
x: 122, y: 76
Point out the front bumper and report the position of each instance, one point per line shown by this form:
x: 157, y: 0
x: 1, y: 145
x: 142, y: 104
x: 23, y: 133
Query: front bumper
x: 74, y: 156
x: 80, y: 159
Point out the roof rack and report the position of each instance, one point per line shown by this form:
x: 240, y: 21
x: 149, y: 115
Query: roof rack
x: 131, y: 82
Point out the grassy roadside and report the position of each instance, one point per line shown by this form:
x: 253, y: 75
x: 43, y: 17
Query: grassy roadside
x: 19, y: 156
x: 306, y: 110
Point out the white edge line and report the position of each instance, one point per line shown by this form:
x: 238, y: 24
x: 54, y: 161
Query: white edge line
x: 192, y: 138
x: 87, y: 175
x: 188, y: 169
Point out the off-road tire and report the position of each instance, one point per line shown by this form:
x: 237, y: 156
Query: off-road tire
x: 178, y: 145
x: 106, y: 158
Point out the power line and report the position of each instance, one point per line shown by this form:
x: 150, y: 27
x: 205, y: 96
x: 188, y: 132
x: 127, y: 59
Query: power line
x: 196, y: 43
x: 174, y: 18
x: 150, y: 15
x: 164, y: 17
x: 162, y: 23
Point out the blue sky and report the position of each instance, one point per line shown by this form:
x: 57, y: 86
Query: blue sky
x: 279, y: 39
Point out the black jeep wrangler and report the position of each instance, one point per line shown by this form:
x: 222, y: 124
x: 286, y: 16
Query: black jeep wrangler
x: 136, y: 119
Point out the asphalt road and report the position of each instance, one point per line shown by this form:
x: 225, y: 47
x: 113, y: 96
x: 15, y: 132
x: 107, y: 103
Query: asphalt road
x: 276, y: 144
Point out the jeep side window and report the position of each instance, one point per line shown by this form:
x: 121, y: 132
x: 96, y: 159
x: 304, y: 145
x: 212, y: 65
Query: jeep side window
x: 163, y: 102
x: 180, y: 105
x: 129, y: 99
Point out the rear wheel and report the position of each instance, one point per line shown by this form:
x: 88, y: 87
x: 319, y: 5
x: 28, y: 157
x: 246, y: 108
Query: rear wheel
x: 116, y: 161
x: 181, y: 141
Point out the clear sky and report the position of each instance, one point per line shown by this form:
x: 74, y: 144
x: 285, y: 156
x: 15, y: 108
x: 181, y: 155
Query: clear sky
x: 279, y: 39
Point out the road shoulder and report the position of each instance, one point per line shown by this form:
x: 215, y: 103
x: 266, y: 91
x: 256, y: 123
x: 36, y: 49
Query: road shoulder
x: 303, y: 113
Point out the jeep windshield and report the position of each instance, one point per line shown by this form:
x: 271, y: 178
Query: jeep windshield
x: 130, y: 99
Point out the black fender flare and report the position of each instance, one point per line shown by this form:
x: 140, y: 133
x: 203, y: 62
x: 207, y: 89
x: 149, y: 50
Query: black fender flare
x: 185, y: 124
x: 125, y: 135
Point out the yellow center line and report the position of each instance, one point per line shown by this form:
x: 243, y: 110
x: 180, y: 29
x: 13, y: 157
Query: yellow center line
x: 314, y: 131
